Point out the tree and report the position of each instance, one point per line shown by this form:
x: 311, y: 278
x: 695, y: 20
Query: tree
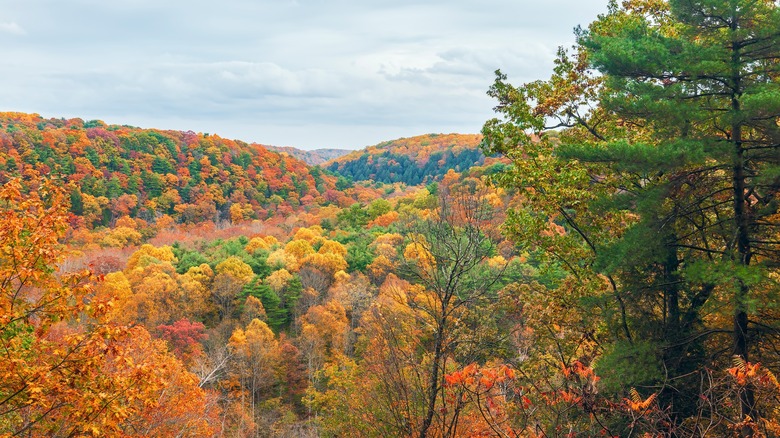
x: 449, y: 249
x: 271, y: 302
x: 232, y: 275
x: 660, y: 195
x: 33, y: 300
x: 183, y: 337
x: 422, y: 326
x: 378, y: 207
x: 254, y: 359
x: 324, y: 330
x: 67, y: 370
x: 354, y: 217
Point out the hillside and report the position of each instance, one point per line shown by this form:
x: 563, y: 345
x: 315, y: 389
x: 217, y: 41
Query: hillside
x: 413, y: 160
x: 312, y: 158
x: 146, y: 173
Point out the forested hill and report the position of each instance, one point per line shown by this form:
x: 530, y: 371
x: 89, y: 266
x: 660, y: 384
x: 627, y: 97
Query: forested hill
x: 413, y: 160
x: 312, y: 158
x: 191, y: 177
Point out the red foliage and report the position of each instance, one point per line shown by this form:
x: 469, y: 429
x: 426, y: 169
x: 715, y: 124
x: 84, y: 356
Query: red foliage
x: 184, y: 337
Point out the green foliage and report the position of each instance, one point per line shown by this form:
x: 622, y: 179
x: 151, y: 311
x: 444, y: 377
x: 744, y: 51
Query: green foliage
x: 187, y: 259
x: 343, y: 183
x: 378, y: 207
x: 625, y: 365
x: 152, y: 184
x: 411, y: 160
x: 276, y: 313
x: 162, y: 166
x: 646, y: 198
x: 289, y: 298
x: 113, y: 188
x: 359, y: 255
x: 76, y: 202
x: 259, y: 263
x: 354, y: 218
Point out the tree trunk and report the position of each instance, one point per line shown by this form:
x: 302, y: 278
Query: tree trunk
x: 741, y: 219
x: 433, y: 385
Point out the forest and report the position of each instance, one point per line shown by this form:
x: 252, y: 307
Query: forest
x: 411, y: 161
x: 602, y: 260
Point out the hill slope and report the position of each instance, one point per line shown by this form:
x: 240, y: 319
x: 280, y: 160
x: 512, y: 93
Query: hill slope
x: 146, y: 173
x: 413, y: 160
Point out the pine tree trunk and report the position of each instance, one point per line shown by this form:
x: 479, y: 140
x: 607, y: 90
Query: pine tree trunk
x: 741, y: 341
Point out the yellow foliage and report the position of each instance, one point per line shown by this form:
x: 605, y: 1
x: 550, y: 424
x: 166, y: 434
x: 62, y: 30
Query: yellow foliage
x: 281, y: 258
x: 66, y: 369
x: 341, y: 276
x: 392, y: 293
x: 93, y: 207
x: 387, y: 245
x: 278, y: 279
x: 236, y: 268
x: 121, y: 237
x: 423, y: 200
x: 311, y: 235
x: 326, y: 327
x: 116, y: 285
x: 386, y: 250
x: 256, y: 244
x: 254, y: 358
x: 329, y: 212
x: 417, y: 252
x: 379, y: 268
x: 148, y: 254
x: 258, y: 332
x: 327, y: 263
x: 497, y: 262
x: 202, y: 273
x: 240, y: 212
x: 494, y: 200
x: 299, y: 249
x: 125, y: 221
x: 195, y: 285
x: 253, y: 309
x: 333, y: 247
x: 155, y: 298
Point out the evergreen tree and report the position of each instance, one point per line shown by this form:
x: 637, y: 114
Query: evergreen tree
x: 276, y: 313
x: 665, y: 180
x: 76, y: 202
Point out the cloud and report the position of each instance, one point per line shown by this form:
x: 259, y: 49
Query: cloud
x: 12, y: 28
x: 308, y: 73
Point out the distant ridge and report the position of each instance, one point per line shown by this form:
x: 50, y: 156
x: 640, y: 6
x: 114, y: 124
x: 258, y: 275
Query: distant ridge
x: 312, y: 158
x: 413, y: 160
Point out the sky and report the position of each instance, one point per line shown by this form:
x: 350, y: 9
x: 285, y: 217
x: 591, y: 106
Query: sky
x: 304, y: 73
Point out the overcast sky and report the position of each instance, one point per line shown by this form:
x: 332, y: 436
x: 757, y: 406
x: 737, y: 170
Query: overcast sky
x: 304, y: 73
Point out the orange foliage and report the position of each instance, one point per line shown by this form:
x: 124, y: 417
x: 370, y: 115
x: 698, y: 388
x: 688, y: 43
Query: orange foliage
x: 66, y: 370
x: 384, y: 220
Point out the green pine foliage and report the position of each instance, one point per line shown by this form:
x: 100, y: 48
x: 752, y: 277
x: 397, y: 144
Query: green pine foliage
x: 664, y: 181
x: 412, y: 161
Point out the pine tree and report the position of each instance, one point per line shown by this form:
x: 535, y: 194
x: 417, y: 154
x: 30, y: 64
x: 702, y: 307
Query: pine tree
x: 665, y: 180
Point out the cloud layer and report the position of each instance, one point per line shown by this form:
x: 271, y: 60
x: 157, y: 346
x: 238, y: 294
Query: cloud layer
x: 307, y: 73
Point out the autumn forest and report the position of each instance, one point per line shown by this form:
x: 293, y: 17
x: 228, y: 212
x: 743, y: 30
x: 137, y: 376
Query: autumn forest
x: 603, y: 259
